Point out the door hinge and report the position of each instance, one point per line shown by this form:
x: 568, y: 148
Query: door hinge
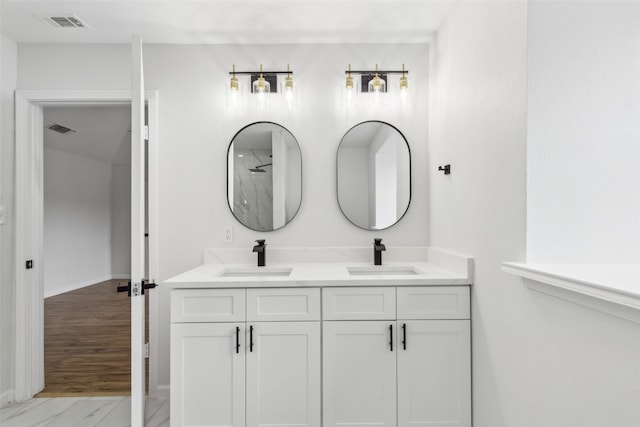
x: 146, y: 132
x: 146, y: 350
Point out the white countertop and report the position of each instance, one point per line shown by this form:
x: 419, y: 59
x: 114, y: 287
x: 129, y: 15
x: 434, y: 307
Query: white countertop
x: 316, y: 274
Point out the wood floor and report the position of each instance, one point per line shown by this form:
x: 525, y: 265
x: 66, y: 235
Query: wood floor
x: 87, y: 346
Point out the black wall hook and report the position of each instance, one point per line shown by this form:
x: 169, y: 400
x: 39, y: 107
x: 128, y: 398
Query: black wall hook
x: 446, y: 169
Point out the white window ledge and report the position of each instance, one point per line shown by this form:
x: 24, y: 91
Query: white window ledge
x: 613, y: 289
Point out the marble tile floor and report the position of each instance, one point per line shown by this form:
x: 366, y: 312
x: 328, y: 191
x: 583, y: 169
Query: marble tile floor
x: 82, y: 412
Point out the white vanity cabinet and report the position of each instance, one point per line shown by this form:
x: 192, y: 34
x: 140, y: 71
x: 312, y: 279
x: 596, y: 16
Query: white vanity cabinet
x: 411, y: 369
x: 434, y: 357
x: 391, y: 356
x: 245, y: 357
x: 207, y: 375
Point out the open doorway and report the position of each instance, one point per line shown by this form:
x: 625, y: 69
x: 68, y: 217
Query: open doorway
x: 29, y: 289
x: 87, y: 250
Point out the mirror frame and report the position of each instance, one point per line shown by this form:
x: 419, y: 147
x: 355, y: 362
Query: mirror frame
x: 410, y: 174
x: 227, y: 168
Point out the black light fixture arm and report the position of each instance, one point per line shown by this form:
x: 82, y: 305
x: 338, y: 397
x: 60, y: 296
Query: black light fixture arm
x: 372, y: 72
x: 264, y: 73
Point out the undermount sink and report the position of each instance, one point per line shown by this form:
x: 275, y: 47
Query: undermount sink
x: 383, y: 270
x: 256, y: 272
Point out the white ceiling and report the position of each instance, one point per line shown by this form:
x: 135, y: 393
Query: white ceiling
x: 228, y: 22
x: 102, y: 133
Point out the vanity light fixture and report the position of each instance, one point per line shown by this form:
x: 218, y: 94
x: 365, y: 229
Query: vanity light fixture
x: 378, y: 82
x: 261, y: 85
x: 263, y: 81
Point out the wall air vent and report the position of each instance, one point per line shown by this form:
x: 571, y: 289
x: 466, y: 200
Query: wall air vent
x: 63, y: 20
x: 60, y: 129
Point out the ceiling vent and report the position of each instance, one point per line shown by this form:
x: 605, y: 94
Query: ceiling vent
x: 60, y: 129
x: 63, y: 20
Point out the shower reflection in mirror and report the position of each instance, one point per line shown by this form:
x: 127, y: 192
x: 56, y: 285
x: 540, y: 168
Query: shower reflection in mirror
x: 264, y: 176
x: 374, y: 175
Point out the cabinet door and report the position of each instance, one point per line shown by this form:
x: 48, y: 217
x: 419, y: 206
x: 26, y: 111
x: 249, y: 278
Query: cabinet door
x: 434, y: 373
x: 283, y: 375
x: 207, y: 374
x: 359, y: 373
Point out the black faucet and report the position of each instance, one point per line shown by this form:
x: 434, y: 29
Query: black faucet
x: 261, y: 248
x: 378, y: 247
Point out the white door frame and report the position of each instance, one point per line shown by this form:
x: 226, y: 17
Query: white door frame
x: 29, y: 284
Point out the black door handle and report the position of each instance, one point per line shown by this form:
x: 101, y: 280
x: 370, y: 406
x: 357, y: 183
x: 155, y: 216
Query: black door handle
x: 391, y: 337
x: 237, y: 339
x: 124, y: 288
x: 147, y: 284
x: 404, y: 336
x: 251, y: 338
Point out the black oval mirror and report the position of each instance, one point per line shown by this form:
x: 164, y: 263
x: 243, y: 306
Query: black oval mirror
x: 264, y: 176
x: 374, y: 175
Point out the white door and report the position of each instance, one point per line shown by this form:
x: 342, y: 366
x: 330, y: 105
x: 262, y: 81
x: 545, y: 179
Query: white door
x: 359, y: 373
x: 137, y: 237
x: 434, y: 373
x: 207, y: 375
x: 283, y: 374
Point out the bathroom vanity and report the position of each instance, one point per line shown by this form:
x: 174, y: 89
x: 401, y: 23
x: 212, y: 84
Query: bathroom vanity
x: 321, y: 344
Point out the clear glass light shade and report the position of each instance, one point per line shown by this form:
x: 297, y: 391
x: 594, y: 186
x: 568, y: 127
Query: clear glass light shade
x: 260, y: 85
x: 349, y: 82
x: 376, y: 84
x: 288, y: 84
x: 404, y: 83
x: 288, y: 81
x: 234, y: 85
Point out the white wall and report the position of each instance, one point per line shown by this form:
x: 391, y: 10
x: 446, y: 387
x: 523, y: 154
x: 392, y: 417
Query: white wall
x: 8, y: 68
x: 478, y: 125
x: 537, y: 360
x: 77, y: 221
x: 196, y: 127
x: 120, y: 221
x: 584, y: 132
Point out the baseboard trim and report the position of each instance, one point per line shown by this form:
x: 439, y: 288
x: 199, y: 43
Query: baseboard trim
x: 163, y: 391
x: 7, y: 397
x: 54, y: 292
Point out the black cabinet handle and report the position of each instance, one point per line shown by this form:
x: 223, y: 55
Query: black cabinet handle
x: 251, y: 338
x: 404, y: 336
x: 237, y: 339
x: 391, y: 337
